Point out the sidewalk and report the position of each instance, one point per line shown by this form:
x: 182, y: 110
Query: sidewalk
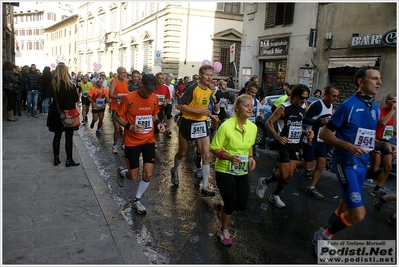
x: 58, y: 215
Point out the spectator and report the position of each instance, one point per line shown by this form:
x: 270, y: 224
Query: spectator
x: 46, y: 89
x: 8, y: 80
x: 67, y: 96
x: 33, y: 85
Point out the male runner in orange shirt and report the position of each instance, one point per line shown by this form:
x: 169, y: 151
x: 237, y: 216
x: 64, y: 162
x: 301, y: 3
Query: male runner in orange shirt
x: 137, y: 113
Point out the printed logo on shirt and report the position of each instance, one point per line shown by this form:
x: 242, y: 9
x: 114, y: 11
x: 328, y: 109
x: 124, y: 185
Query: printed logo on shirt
x: 373, y: 115
x: 355, y: 197
x: 204, y: 102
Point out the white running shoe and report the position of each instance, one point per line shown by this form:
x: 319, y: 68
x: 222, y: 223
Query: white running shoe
x: 277, y: 201
x: 261, y: 188
x: 139, y: 207
x: 115, y: 149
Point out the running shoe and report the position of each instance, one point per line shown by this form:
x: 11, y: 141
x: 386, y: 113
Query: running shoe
x: 98, y: 133
x: 140, y: 209
x: 392, y: 219
x: 277, y: 201
x: 374, y: 193
x: 261, y: 189
x: 123, y: 146
x: 35, y: 116
x: 378, y: 200
x: 120, y: 180
x: 206, y: 192
x: 83, y: 122
x: 174, y: 177
x: 216, y: 207
x: 115, y: 149
x: 156, y: 145
x: 92, y: 124
x: 318, y: 235
x: 225, y: 237
x: 314, y: 192
x: 307, y: 174
x: 198, y: 173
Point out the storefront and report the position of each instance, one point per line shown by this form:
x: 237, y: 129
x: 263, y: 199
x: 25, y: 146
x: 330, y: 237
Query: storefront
x: 273, y: 53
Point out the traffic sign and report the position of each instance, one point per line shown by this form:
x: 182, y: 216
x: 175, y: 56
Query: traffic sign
x: 232, y: 52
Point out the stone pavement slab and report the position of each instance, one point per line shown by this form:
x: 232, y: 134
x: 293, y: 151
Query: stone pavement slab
x: 58, y: 215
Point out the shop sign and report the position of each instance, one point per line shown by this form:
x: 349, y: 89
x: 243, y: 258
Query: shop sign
x: 374, y: 40
x: 389, y: 38
x: 274, y: 46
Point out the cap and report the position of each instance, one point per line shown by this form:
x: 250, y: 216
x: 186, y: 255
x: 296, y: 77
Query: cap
x: 102, y: 73
x: 149, y: 81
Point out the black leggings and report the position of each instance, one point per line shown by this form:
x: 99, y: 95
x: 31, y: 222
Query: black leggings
x: 234, y: 191
x: 68, y: 142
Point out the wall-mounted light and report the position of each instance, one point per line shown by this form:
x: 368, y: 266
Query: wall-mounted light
x: 328, y: 36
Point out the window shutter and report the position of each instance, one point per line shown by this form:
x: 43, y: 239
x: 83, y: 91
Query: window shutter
x: 271, y: 15
x: 289, y: 13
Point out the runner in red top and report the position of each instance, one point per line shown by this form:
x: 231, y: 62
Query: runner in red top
x: 98, y: 97
x: 163, y: 94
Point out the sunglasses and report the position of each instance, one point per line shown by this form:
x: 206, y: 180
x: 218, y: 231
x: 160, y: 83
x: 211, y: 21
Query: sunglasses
x: 303, y: 97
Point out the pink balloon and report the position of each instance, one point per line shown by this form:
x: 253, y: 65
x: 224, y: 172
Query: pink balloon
x: 52, y: 65
x: 99, y: 66
x: 95, y: 64
x: 217, y: 66
x: 57, y: 61
x: 206, y: 62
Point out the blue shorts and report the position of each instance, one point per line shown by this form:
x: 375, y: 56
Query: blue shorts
x: 316, y: 150
x: 351, y: 179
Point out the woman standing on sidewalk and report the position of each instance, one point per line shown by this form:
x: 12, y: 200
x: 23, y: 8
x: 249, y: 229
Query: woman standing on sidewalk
x: 8, y: 81
x: 67, y: 96
x: 233, y: 145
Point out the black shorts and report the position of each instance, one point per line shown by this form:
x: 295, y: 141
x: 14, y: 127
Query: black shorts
x: 132, y: 155
x: 186, y: 130
x: 284, y: 155
x: 85, y: 101
x: 94, y: 111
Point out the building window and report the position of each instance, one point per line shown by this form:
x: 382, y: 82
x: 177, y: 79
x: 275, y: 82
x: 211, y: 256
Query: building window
x: 229, y: 7
x: 22, y: 18
x: 279, y: 14
x: 30, y: 46
x: 37, y: 32
x: 113, y: 19
x: 29, y: 33
x: 64, y: 17
x: 16, y: 32
x: 64, y: 32
x: 224, y: 58
x: 51, y: 16
x: 37, y: 46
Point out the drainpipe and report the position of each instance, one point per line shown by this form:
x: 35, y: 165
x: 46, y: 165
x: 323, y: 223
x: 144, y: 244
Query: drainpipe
x: 314, y: 65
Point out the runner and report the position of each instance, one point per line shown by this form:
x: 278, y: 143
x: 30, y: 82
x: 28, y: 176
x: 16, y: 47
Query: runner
x: 289, y: 118
x: 98, y: 97
x: 84, y: 89
x: 194, y: 107
x: 351, y: 130
x: 137, y: 113
x: 233, y: 145
x: 318, y: 115
x: 119, y: 88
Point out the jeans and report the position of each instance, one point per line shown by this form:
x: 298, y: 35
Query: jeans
x: 32, y: 97
x: 45, y: 102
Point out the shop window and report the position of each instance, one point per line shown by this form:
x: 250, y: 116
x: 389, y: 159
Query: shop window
x: 274, y: 72
x: 279, y: 14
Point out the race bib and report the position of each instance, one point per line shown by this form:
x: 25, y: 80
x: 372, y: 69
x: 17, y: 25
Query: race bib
x: 388, y: 132
x: 120, y: 99
x: 365, y: 138
x: 294, y: 134
x: 223, y: 102
x: 242, y: 167
x: 100, y: 102
x: 198, y: 129
x: 161, y: 99
x: 85, y: 94
x: 146, y: 122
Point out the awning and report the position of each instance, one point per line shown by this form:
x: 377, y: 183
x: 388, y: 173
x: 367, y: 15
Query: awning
x: 358, y: 62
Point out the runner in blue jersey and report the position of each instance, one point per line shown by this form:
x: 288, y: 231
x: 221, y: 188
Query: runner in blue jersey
x: 351, y: 130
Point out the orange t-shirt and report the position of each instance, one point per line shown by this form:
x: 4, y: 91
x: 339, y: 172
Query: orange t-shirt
x: 121, y: 88
x: 137, y: 110
x: 99, y: 96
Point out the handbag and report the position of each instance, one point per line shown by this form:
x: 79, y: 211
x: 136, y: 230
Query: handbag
x: 69, y: 117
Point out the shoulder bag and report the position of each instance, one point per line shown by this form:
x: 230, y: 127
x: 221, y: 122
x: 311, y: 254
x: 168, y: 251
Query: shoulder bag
x: 69, y: 117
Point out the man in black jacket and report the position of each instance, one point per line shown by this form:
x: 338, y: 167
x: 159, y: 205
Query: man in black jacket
x: 33, y: 85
